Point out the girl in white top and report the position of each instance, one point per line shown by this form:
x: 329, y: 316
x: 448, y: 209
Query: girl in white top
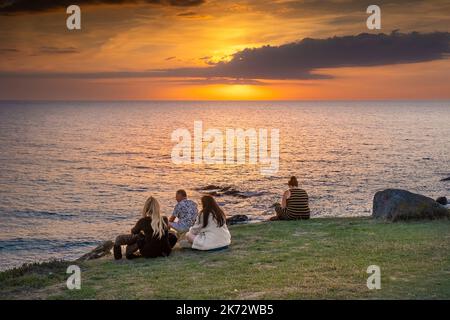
x: 210, y: 229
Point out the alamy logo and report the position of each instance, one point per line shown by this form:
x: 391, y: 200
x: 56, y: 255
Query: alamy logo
x: 374, y: 280
x: 74, y: 280
x: 215, y: 147
x: 374, y: 20
x: 73, y: 21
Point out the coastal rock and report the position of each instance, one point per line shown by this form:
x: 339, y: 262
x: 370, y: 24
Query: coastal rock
x: 218, y: 191
x: 210, y: 187
x: 236, y: 219
x: 100, y: 251
x: 396, y: 205
x: 442, y: 200
x: 243, y: 194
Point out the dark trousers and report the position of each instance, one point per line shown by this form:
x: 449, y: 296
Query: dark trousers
x: 129, y: 240
x: 281, y: 214
x: 172, y: 239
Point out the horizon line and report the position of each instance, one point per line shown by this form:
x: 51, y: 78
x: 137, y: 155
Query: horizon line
x: 224, y: 100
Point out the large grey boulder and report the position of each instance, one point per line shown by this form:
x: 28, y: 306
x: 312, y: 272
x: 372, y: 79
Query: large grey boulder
x: 397, y: 204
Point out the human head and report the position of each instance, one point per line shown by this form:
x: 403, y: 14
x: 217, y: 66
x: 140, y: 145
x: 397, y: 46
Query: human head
x: 210, y: 206
x: 180, y: 195
x: 151, y: 209
x: 293, y: 182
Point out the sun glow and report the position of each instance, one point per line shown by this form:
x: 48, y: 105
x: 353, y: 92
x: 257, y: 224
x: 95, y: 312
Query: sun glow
x: 232, y: 92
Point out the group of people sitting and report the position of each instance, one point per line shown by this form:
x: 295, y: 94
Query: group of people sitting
x: 154, y: 235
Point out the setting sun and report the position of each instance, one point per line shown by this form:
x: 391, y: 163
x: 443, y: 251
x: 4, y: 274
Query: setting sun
x: 225, y: 92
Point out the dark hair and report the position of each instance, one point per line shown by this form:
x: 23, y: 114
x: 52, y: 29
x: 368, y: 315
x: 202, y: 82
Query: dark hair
x: 210, y: 206
x: 293, y: 182
x: 182, y: 193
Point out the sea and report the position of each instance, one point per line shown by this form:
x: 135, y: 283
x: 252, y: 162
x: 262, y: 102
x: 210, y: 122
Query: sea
x: 73, y: 174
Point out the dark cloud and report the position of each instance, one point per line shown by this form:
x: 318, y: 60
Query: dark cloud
x: 301, y: 60
x: 55, y: 50
x: 422, y: 10
x: 345, y: 6
x: 187, y: 14
x: 208, y: 61
x: 8, y: 50
x: 349, y: 5
x: 209, y: 81
x: 33, y: 6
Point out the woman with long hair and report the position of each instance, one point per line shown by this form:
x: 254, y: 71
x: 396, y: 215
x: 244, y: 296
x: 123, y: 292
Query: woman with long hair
x: 150, y: 237
x: 210, y: 230
x: 294, y: 204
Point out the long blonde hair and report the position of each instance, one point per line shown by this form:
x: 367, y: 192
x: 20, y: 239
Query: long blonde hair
x: 151, y: 209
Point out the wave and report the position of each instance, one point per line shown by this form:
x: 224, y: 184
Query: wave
x: 36, y: 213
x: 14, y: 244
x: 138, y: 189
x: 123, y: 153
x: 141, y: 167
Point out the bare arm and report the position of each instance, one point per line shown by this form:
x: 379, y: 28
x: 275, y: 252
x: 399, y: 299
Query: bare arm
x: 286, y: 196
x: 173, y: 216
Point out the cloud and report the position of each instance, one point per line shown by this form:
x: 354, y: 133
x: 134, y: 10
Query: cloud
x: 27, y: 6
x: 8, y: 50
x: 321, y: 7
x: 187, y: 14
x: 210, y: 81
x: 55, y: 50
x: 300, y: 60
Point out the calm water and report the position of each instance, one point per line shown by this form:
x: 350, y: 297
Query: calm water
x: 74, y: 174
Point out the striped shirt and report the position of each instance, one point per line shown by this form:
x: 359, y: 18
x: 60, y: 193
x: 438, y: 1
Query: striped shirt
x: 296, y: 205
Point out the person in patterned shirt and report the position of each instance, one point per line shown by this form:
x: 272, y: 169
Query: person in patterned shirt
x: 184, y: 214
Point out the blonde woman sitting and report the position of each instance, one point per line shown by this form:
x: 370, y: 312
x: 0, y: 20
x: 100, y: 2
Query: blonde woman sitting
x: 149, y: 238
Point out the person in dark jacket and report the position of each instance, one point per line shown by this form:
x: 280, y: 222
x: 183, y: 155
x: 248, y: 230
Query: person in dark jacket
x: 150, y: 237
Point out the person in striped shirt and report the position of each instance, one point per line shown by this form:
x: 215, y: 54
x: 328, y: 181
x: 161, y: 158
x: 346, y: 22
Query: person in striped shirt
x: 294, y: 204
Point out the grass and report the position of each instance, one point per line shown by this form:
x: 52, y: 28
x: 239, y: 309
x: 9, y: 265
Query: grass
x: 315, y: 259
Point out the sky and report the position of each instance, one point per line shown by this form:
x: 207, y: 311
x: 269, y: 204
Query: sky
x: 224, y: 50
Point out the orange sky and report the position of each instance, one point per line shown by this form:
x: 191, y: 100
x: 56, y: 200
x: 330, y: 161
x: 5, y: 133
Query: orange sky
x: 140, y: 37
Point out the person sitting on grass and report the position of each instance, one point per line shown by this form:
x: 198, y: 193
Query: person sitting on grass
x: 149, y: 238
x: 210, y: 230
x: 294, y: 204
x: 185, y: 213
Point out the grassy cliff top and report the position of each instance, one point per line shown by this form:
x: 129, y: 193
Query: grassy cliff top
x: 319, y: 258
